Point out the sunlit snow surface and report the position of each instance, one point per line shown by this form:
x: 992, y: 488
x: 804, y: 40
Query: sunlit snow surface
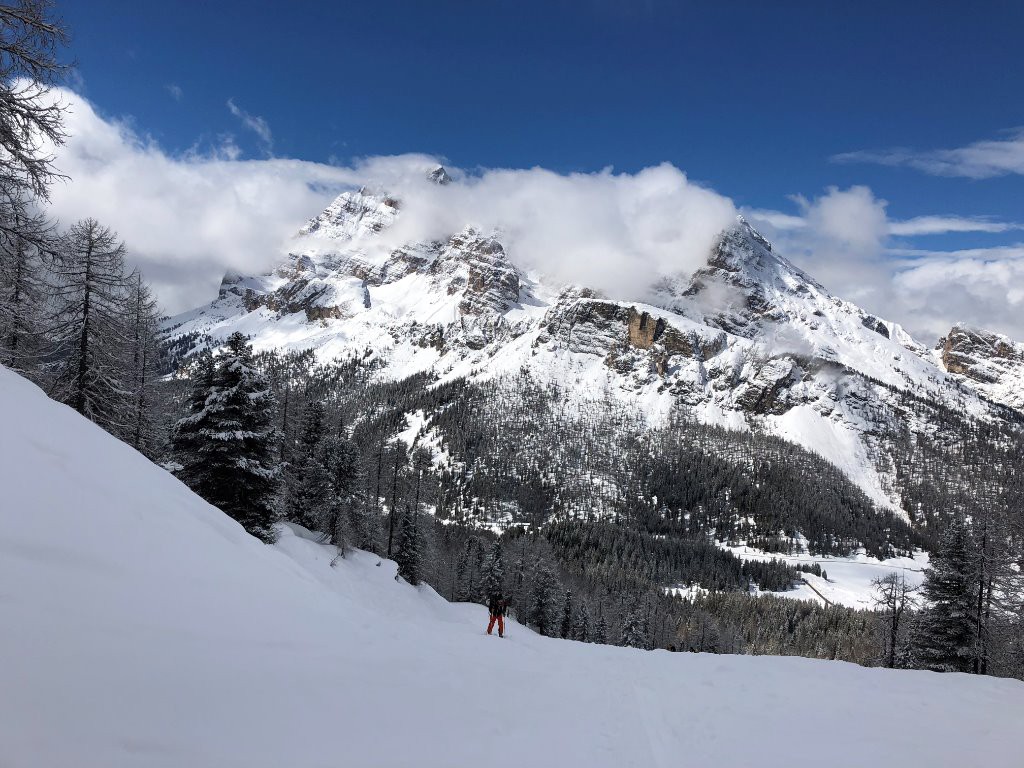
x: 143, y: 628
x: 847, y: 580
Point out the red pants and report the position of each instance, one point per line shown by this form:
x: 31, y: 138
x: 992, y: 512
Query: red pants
x: 501, y: 625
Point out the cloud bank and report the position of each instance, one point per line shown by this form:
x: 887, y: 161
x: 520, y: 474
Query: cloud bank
x: 188, y: 218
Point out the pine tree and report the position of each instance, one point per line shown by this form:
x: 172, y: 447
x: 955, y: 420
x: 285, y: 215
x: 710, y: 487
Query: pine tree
x: 601, y: 628
x: 89, y: 326
x: 565, y: 628
x: 188, y: 442
x: 226, y: 448
x: 409, y: 552
x: 349, y: 508
x: 308, y: 488
x: 542, y: 599
x: 466, y: 572
x: 633, y: 634
x: 494, y: 571
x: 945, y: 636
x: 581, y: 624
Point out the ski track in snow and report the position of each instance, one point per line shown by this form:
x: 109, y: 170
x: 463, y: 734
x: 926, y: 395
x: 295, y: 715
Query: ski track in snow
x: 144, y: 628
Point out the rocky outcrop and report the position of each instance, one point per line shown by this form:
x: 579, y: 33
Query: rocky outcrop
x: 989, y: 361
x: 477, y: 266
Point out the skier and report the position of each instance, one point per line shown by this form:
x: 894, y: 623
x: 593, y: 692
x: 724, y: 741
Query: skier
x: 497, y: 606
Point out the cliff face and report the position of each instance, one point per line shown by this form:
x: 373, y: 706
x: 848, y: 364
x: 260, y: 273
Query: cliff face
x: 990, y: 362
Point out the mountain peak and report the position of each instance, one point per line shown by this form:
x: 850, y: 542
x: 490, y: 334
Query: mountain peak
x: 439, y: 176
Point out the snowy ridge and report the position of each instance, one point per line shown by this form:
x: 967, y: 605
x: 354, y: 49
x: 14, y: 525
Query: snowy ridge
x: 130, y: 654
x: 749, y: 341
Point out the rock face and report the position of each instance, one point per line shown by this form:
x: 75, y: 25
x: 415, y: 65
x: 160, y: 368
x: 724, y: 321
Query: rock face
x: 749, y: 341
x: 992, y: 363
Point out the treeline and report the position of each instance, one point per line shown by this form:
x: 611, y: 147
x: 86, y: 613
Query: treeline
x: 488, y: 495
x: 73, y: 317
x: 78, y: 322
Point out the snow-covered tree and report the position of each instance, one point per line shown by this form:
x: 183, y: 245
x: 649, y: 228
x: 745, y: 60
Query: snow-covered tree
x: 633, y: 633
x: 227, y: 447
x: 188, y: 441
x: 581, y: 624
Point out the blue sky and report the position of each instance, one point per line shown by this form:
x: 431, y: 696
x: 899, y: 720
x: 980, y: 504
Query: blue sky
x: 755, y: 100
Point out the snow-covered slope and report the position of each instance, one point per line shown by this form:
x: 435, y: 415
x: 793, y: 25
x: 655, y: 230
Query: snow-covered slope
x: 749, y: 341
x: 141, y: 627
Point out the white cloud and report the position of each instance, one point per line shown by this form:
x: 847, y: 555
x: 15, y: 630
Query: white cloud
x: 187, y: 219
x: 254, y: 123
x: 175, y: 90
x: 979, y: 160
x: 919, y: 225
x: 613, y: 232
x: 940, y: 225
x: 982, y: 287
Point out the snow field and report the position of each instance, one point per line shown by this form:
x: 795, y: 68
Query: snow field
x: 141, y: 627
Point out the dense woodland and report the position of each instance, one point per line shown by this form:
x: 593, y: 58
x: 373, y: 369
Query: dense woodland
x: 581, y: 515
x: 588, y: 517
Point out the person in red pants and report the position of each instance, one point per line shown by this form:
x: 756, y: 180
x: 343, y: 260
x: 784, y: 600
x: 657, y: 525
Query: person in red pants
x: 497, y: 606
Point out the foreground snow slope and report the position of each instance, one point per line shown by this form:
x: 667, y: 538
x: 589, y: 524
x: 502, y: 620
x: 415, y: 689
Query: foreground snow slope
x: 141, y: 627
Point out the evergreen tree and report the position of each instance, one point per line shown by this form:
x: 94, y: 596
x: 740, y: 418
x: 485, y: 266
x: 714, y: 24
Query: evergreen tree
x: 542, y: 599
x: 633, y: 634
x: 308, y: 488
x: 349, y: 506
x: 601, y: 627
x: 188, y: 442
x: 581, y: 624
x: 409, y: 552
x: 945, y: 637
x: 494, y: 571
x: 466, y: 571
x: 565, y: 628
x: 227, y: 448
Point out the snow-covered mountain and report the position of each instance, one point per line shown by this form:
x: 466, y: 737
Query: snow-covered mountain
x: 749, y: 341
x: 142, y: 627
